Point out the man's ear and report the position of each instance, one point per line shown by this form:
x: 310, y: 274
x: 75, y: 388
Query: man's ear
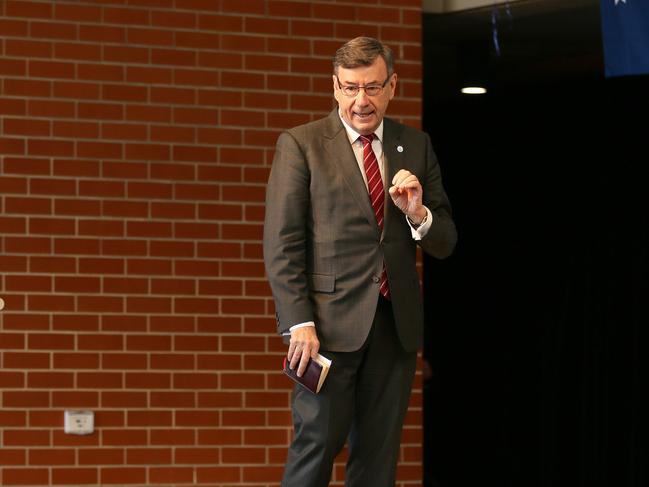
x: 393, y: 85
x: 336, y: 90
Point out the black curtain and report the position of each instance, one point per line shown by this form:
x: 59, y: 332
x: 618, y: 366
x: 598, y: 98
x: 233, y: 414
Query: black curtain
x: 537, y: 327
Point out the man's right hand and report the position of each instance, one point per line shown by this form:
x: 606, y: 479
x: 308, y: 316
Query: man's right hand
x: 303, y: 346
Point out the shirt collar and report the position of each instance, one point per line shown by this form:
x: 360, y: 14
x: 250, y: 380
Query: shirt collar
x: 353, y: 135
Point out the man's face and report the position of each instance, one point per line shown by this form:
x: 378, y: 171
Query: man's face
x: 362, y: 112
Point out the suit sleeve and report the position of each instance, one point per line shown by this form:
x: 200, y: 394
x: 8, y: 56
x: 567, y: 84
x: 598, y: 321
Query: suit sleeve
x: 441, y: 237
x: 287, y: 207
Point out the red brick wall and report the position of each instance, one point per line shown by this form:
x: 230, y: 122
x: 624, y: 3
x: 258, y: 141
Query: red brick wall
x: 136, y: 140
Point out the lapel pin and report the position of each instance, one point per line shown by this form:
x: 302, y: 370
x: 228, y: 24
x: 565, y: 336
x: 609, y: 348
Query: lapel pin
x: 399, y: 148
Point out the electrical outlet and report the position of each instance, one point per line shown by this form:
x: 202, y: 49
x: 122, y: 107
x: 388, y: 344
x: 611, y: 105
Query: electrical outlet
x: 79, y: 422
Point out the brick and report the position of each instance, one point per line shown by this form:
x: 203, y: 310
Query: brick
x: 265, y: 25
x: 289, y: 45
x: 25, y: 321
x: 124, y: 93
x: 149, y: 381
x: 51, y: 69
x: 76, y: 361
x: 123, y: 247
x: 53, y: 30
x: 13, y: 418
x: 220, y: 399
x: 50, y: 341
x: 117, y: 208
x: 76, y: 246
x: 102, y: 111
x: 12, y: 380
x: 77, y: 12
x: 220, y: 60
x: 119, y: 399
x: 12, y: 225
x: 25, y: 476
x: 52, y: 264
x: 82, y: 130
x: 125, y: 16
x: 172, y: 399
x: 14, y: 87
x: 13, y: 67
x: 172, y: 361
x: 75, y: 167
x: 121, y: 475
x: 149, y: 75
x: 94, y: 380
x: 286, y: 8
x: 12, y: 457
x: 52, y: 226
x: 242, y: 456
x: 12, y: 340
x: 102, y: 33
x: 262, y: 473
x: 195, y: 381
x: 12, y: 106
x: 26, y: 360
x: 100, y: 342
x: 72, y: 50
x: 221, y: 436
x: 13, y: 126
x: 25, y: 437
x: 125, y: 170
x: 126, y: 54
x: 77, y: 207
x: 74, y: 476
x: 148, y: 456
x: 101, y: 456
x: 173, y: 436
x: 12, y: 263
x: 197, y: 418
x: 28, y: 48
x: 173, y: 18
x: 99, y: 149
x: 123, y: 361
x: 205, y: 456
x: 126, y: 286
x: 218, y: 324
x: 14, y: 28
x: 98, y: 72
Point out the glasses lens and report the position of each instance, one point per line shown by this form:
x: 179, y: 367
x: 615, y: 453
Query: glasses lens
x: 372, y: 90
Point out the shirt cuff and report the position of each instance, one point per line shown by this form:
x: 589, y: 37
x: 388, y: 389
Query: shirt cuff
x: 420, y: 231
x: 299, y: 325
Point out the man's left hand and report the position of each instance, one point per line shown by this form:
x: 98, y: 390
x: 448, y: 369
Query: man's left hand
x: 406, y: 193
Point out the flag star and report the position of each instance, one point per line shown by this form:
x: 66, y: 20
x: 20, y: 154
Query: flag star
x: 618, y: 1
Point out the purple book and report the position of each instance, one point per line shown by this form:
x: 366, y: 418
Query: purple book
x: 314, y: 375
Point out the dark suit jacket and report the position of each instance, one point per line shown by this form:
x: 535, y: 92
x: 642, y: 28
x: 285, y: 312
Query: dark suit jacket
x: 323, y: 249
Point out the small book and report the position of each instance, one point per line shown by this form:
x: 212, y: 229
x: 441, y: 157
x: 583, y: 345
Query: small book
x: 314, y: 375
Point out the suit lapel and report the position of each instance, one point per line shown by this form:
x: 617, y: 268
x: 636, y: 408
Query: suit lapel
x: 340, y: 152
x: 393, y: 163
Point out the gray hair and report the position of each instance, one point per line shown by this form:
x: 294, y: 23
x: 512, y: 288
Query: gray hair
x: 362, y: 51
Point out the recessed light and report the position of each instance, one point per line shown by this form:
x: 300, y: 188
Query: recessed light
x: 474, y: 90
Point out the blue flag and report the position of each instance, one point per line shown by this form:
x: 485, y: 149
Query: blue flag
x: 625, y: 32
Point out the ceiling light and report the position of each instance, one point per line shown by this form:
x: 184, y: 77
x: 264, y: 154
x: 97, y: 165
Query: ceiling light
x: 474, y: 90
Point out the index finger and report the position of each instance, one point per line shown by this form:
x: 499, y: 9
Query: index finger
x: 304, y: 361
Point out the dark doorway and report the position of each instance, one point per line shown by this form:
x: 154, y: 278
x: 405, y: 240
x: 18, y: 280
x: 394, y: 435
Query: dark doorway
x: 538, y: 326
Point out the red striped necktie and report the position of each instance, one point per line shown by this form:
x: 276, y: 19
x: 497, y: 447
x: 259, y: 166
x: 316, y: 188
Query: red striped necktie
x: 377, y: 195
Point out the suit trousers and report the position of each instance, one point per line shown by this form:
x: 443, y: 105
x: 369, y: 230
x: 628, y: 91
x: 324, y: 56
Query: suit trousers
x: 364, y: 401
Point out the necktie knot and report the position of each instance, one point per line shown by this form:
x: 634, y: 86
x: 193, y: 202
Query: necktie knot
x: 367, y: 139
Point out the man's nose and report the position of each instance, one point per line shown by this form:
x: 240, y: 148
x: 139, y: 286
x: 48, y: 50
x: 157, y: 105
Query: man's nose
x: 362, y: 98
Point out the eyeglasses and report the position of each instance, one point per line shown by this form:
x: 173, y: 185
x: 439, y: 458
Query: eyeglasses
x: 370, y: 90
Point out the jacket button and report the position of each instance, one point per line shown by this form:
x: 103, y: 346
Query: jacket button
x: 376, y: 279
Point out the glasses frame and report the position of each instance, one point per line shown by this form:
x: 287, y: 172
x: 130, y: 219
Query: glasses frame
x: 357, y: 88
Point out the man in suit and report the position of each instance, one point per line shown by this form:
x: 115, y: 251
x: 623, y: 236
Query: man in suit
x: 340, y: 254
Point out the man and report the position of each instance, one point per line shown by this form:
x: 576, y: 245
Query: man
x: 340, y: 254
